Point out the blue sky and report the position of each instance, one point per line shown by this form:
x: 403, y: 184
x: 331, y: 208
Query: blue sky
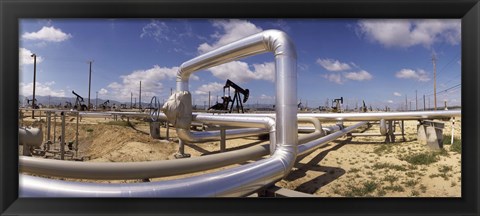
x: 379, y: 61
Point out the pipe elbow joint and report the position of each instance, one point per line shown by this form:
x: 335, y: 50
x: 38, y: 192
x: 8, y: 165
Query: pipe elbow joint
x: 279, y: 43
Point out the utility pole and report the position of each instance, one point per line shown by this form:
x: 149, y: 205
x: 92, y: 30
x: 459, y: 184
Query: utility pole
x: 406, y: 103
x: 209, y: 99
x: 410, y: 105
x: 171, y: 91
x: 434, y: 82
x: 140, y: 96
x: 96, y: 100
x: 416, y: 101
x: 424, y: 108
x: 89, y: 83
x: 34, y: 82
x: 131, y: 97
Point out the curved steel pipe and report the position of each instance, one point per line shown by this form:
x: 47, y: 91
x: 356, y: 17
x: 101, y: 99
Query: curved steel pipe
x: 318, y: 132
x: 152, y: 169
x: 237, y: 181
x: 57, y: 188
x: 138, y: 170
x: 261, y: 124
x: 417, y: 115
x: 206, y: 136
x: 311, y: 146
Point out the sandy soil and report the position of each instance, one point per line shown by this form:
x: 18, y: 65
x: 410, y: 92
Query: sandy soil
x: 349, y: 166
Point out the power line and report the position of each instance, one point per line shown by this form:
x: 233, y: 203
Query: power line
x: 445, y: 90
x: 455, y: 58
x: 444, y: 67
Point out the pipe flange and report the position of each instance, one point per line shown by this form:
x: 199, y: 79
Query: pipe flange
x: 154, y: 108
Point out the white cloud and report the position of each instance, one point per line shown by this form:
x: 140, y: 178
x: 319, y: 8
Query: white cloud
x: 103, y: 91
x: 397, y: 94
x: 336, y: 78
x: 151, y: 82
x: 158, y: 30
x: 419, y: 75
x: 265, y: 71
x: 240, y: 72
x: 359, y: 76
x: 407, y: 33
x: 176, y: 32
x: 50, y: 33
x: 25, y: 57
x: 232, y: 30
x: 333, y: 65
x: 281, y: 24
x: 390, y: 101
x: 41, y: 89
x: 264, y: 96
x: 213, y: 88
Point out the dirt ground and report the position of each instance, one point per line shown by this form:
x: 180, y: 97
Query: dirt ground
x: 346, y: 167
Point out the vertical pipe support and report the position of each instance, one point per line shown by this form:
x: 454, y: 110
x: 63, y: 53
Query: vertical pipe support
x: 76, y: 137
x: 54, y: 127
x: 48, y: 124
x: 181, y: 150
x: 168, y: 131
x: 62, y: 139
x: 453, y: 130
x: 222, y: 139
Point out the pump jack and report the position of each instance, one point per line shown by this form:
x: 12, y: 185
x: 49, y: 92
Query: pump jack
x: 78, y: 103
x: 338, y: 102
x: 105, y: 105
x: 364, y: 107
x: 36, y: 105
x: 237, y: 98
x: 68, y: 105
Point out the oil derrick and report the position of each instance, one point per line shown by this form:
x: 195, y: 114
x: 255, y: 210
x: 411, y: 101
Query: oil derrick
x: 338, y: 104
x: 237, y: 98
x: 105, y: 105
x: 79, y: 103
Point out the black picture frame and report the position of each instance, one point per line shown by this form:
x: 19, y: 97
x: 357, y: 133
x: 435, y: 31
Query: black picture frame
x: 12, y: 10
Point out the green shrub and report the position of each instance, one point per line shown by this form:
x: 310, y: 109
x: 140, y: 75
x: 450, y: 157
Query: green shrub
x: 423, y: 188
x: 411, y: 183
x: 367, y: 188
x: 397, y: 188
x: 119, y: 123
x: 390, y: 178
x: 422, y: 158
x: 457, y: 143
x: 386, y: 148
x: 354, y: 170
x: 377, y: 166
x: 444, y: 169
x: 414, y: 193
x: 90, y: 130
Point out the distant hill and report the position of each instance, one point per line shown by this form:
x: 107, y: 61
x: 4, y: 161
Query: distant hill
x: 54, y: 101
